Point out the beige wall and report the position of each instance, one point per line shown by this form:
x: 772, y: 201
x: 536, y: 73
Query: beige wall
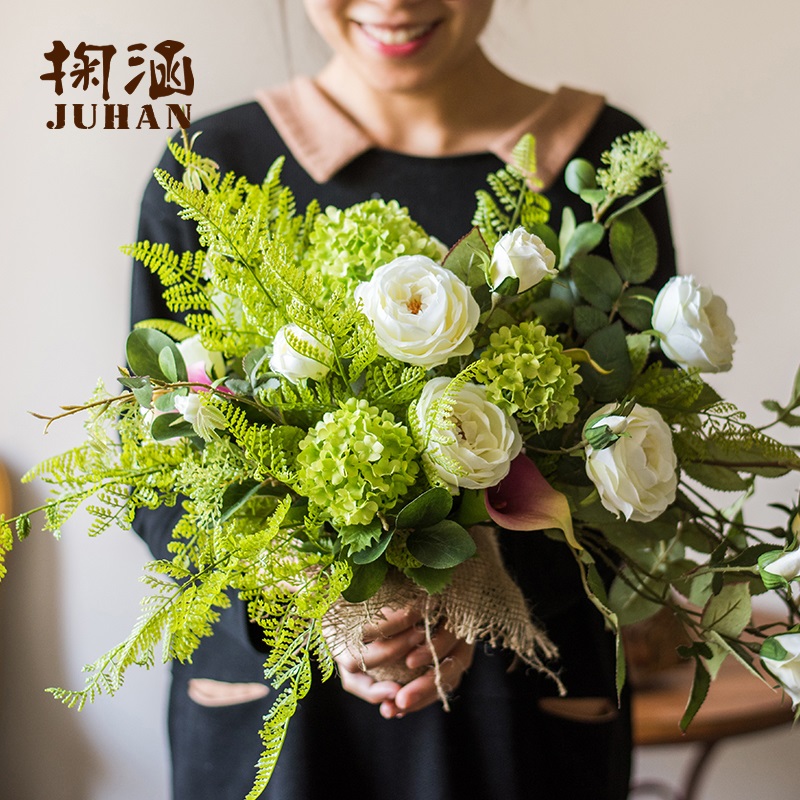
x: 719, y: 79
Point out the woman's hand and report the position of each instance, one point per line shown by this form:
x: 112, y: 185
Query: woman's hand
x: 400, y: 637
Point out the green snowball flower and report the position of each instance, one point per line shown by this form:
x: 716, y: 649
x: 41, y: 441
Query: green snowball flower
x: 355, y: 462
x: 528, y: 375
x: 348, y: 245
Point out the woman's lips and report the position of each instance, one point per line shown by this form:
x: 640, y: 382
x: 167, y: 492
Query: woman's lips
x: 400, y: 40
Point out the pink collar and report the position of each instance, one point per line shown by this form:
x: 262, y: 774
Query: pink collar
x: 323, y: 138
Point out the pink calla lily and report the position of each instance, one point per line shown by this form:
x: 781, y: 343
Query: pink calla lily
x: 525, y: 501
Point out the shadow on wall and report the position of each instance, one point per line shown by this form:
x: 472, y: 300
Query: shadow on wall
x: 44, y: 752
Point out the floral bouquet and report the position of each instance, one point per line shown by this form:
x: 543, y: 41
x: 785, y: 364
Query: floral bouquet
x: 348, y: 411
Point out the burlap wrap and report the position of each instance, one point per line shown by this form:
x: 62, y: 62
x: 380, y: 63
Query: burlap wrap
x: 481, y: 603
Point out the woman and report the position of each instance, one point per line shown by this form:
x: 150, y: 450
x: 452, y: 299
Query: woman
x: 408, y: 107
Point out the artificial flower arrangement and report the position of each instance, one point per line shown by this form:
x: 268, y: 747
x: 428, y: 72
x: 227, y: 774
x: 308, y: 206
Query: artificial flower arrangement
x: 350, y: 410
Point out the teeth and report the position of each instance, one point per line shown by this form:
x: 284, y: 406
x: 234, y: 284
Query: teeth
x: 395, y: 35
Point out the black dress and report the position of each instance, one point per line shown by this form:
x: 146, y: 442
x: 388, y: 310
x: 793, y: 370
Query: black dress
x: 496, y: 742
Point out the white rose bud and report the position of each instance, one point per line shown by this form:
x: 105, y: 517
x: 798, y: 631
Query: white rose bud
x: 482, y: 444
x: 780, y: 567
x: 781, y: 656
x: 205, y: 419
x: 423, y: 314
x: 294, y: 366
x: 636, y: 475
x: 522, y: 255
x: 693, y: 324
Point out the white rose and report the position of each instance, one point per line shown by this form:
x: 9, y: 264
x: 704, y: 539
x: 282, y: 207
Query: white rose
x: 422, y: 313
x: 522, y: 255
x: 694, y: 325
x: 636, y: 475
x: 294, y: 366
x: 786, y: 669
x: 483, y: 443
x: 198, y: 360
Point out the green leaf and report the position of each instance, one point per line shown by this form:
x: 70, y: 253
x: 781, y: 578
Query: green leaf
x: 367, y: 579
x: 584, y: 239
x: 609, y: 348
x: 771, y: 648
x: 638, y: 350
x: 359, y: 537
x: 427, y: 509
x: 170, y: 426
x: 636, y: 307
x: 440, y: 546
x: 509, y: 286
x: 637, y: 201
x: 588, y: 320
x: 597, y: 281
x: 468, y: 258
x: 580, y: 175
x: 700, y: 686
x: 373, y: 551
x: 730, y: 611
x: 143, y: 351
x: 168, y: 364
x: 627, y: 602
x: 593, y: 196
x: 633, y: 247
x: 430, y: 579
x: 472, y: 508
x: 568, y: 225
x: 720, y: 478
x: 23, y: 526
x: 236, y: 495
x: 552, y: 310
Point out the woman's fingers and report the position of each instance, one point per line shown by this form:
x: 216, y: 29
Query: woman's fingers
x: 423, y: 691
x: 390, y: 622
x: 384, y: 650
x: 362, y: 686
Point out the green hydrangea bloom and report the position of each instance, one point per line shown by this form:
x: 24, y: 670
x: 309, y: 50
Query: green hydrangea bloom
x: 348, y: 245
x: 528, y: 375
x: 355, y: 462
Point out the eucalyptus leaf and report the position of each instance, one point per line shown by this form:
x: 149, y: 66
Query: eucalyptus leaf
x: 427, y: 509
x: 593, y: 196
x: 367, y: 579
x: 579, y: 175
x: 431, y: 580
x: 445, y: 544
x: 597, y: 281
x: 143, y: 352
x: 584, y: 239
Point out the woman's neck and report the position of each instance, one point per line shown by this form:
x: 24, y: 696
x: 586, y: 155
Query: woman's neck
x: 458, y: 113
